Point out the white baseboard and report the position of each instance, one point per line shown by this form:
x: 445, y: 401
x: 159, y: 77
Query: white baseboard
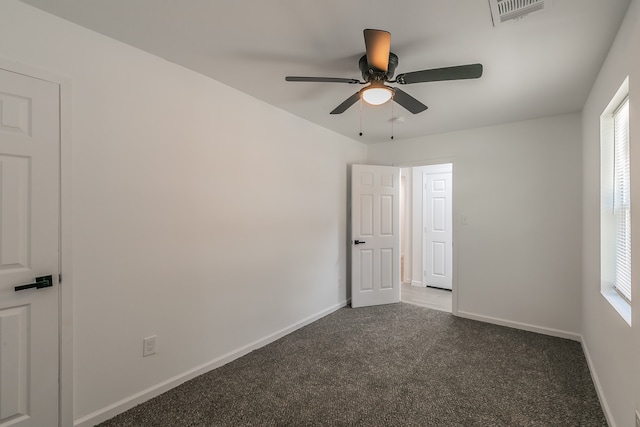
x: 417, y: 283
x: 596, y: 383
x: 156, y: 390
x: 524, y: 326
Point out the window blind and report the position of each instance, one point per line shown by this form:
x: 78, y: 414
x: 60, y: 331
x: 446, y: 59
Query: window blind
x: 622, y: 200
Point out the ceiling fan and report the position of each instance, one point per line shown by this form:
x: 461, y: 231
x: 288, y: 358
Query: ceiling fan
x: 377, y: 67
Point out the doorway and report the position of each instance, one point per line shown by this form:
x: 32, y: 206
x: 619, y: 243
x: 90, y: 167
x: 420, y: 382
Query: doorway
x: 426, y: 239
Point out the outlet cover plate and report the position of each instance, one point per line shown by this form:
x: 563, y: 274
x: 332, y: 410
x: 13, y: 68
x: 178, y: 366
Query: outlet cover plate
x: 149, y: 346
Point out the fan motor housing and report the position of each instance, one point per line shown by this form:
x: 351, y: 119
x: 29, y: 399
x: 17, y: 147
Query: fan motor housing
x: 369, y: 73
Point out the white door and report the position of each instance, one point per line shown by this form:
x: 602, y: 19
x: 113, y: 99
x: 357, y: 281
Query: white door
x: 29, y: 224
x: 438, y: 222
x: 375, y: 229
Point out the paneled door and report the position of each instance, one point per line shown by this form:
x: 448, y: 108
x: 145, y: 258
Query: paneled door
x: 375, y: 229
x: 438, y: 224
x: 29, y: 258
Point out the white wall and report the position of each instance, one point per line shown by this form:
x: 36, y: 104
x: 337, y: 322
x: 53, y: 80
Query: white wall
x: 612, y: 345
x: 517, y: 261
x: 199, y: 214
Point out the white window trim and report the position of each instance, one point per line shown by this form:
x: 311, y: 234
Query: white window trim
x: 607, y: 228
x: 619, y: 303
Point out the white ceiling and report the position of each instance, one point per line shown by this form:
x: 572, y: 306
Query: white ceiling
x: 543, y: 65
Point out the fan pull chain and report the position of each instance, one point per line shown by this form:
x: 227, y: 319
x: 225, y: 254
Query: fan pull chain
x: 360, y: 117
x: 392, y: 117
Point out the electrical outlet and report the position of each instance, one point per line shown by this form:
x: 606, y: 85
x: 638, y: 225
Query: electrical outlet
x: 149, y: 345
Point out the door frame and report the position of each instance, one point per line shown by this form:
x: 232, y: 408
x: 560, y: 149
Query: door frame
x: 65, y: 293
x: 454, y: 230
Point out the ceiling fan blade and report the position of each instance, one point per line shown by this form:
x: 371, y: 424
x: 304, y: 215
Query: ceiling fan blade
x: 460, y: 72
x: 378, y: 44
x: 346, y: 104
x: 321, y: 79
x: 407, y: 101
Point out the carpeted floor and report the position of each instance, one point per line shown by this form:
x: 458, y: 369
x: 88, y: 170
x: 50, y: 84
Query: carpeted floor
x: 392, y: 365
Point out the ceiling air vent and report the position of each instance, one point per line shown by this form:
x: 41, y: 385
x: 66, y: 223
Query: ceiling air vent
x: 513, y: 10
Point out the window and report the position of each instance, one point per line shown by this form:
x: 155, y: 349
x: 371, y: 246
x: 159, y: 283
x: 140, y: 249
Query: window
x: 622, y: 200
x: 615, y: 204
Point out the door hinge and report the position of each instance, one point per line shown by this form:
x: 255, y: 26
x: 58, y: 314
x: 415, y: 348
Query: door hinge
x: 59, y: 278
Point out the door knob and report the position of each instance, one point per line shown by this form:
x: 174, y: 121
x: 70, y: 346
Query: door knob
x: 41, y: 282
x: 358, y: 242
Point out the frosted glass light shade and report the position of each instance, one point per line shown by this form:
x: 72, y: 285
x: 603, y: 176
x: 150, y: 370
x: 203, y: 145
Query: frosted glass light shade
x: 376, y: 95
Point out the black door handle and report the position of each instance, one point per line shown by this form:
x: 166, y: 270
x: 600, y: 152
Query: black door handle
x: 358, y: 242
x: 41, y: 282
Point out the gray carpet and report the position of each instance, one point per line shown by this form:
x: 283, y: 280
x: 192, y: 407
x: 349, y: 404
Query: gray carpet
x: 392, y: 365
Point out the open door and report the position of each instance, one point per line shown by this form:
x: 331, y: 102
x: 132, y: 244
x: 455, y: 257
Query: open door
x: 375, y: 228
x: 29, y: 258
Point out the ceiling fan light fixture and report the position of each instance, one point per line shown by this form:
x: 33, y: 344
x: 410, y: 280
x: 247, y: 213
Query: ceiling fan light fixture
x: 376, y: 95
x: 377, y: 70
